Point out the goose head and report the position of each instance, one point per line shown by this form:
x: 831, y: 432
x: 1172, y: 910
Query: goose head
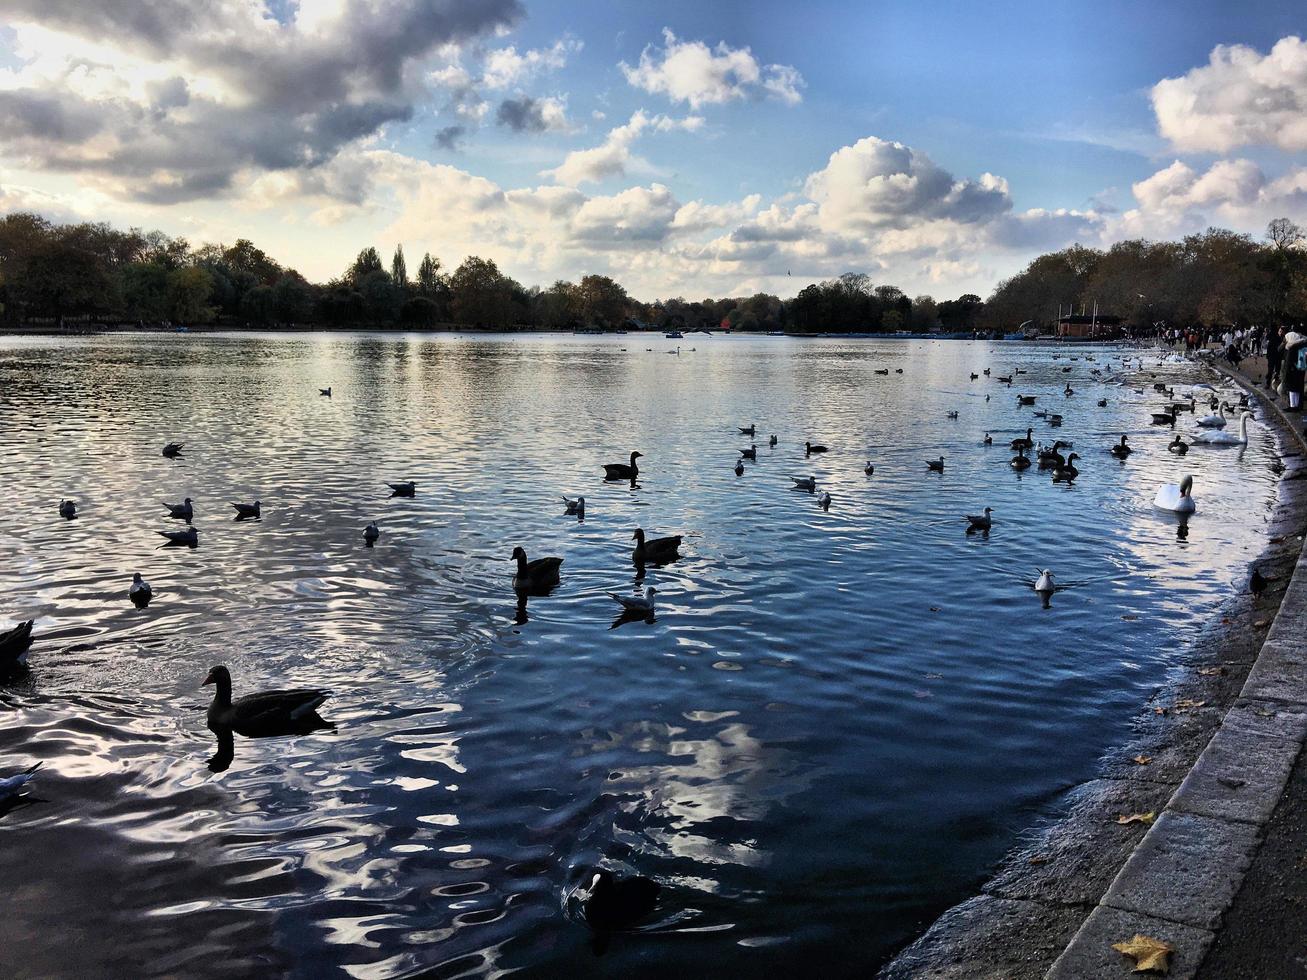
x: 635, y: 456
x: 219, y: 676
x: 638, y: 535
x: 1072, y: 458
x: 519, y: 555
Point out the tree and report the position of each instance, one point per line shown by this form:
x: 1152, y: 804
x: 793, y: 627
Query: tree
x: 62, y: 279
x: 292, y: 299
x: 601, y: 300
x: 381, y: 299
x: 891, y: 320
x: 480, y: 294
x: 244, y: 257
x: 1284, y: 234
x: 188, y: 291
x: 368, y: 261
x: 398, y: 269
x: 429, y: 282
x: 257, y: 305
x: 144, y: 292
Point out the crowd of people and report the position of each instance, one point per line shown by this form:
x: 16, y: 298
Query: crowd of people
x: 1284, y: 347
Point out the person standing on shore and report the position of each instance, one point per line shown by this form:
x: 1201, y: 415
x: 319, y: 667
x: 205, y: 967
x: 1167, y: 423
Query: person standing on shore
x: 1274, y: 351
x: 1295, y: 344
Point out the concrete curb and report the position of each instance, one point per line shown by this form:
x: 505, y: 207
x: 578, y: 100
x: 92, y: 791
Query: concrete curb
x: 1184, y: 874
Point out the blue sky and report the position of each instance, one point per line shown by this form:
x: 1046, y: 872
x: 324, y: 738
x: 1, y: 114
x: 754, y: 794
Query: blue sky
x: 935, y: 145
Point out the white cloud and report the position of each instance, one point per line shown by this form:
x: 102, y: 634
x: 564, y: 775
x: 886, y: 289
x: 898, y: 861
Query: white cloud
x: 1239, y: 98
x: 690, y: 71
x: 505, y: 68
x: 613, y: 156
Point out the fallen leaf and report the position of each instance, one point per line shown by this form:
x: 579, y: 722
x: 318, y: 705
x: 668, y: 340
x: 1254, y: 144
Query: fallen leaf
x: 1147, y: 952
x: 1143, y: 818
x: 1188, y: 704
x: 1225, y: 619
x: 1039, y: 859
x: 1213, y: 671
x: 1161, y: 711
x: 1263, y: 713
x: 1142, y: 760
x: 1261, y: 623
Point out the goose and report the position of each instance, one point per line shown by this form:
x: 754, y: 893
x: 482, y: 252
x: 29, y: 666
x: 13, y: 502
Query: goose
x: 869, y: 469
x: 1025, y: 399
x: 823, y: 500
x: 371, y: 533
x: 739, y: 467
x: 808, y: 483
x: 750, y: 431
x: 974, y: 376
x: 1066, y: 370
x: 882, y: 371
x: 12, y: 786
x: 172, y: 450
x: 986, y: 372
x: 1189, y: 406
x: 1220, y: 437
x: 1178, y: 446
x: 637, y: 604
x: 980, y: 522
x: 1068, y: 391
x: 14, y: 644
x: 1214, y: 421
x: 406, y: 489
x: 1257, y: 583
x: 1044, y: 585
x: 750, y: 453
x: 610, y: 904
x: 1102, y: 403
x: 325, y: 392
x: 140, y: 591
x: 988, y: 440
x: 655, y: 550
x: 1051, y: 457
x: 1163, y: 418
x: 1055, y: 420
x: 1005, y: 380
x: 952, y: 415
x: 623, y: 471
x: 898, y: 370
x: 1023, y: 443
x: 935, y: 465
x: 264, y: 713
x: 67, y: 509
x: 809, y: 449
x: 1067, y: 472
x: 247, y: 510
x: 189, y: 537
x: 1121, y: 450
x: 574, y: 507
x: 1019, y: 461
x: 1178, y: 498
x: 1019, y: 371
x: 772, y: 442
x: 541, y: 574
x: 183, y: 511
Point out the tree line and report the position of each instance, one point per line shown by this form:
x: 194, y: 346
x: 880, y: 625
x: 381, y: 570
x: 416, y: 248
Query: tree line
x: 52, y: 271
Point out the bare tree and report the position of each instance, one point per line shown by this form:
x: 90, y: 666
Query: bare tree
x: 1284, y: 234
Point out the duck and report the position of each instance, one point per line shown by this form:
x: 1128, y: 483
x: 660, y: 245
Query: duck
x: 974, y: 376
x: 823, y: 500
x: 67, y: 509
x: 610, y: 904
x: 980, y: 522
x: 14, y: 644
x: 809, y: 449
x: 247, y: 510
x: 869, y: 469
x: 739, y: 467
x: 405, y: 489
x: 1102, y: 403
x: 326, y: 392
x: 1178, y: 446
x: 1055, y: 420
x: 12, y: 786
x: 881, y: 371
x: 140, y: 591
x: 1068, y: 391
x: 750, y: 453
x: 623, y: 471
x: 539, y: 575
x: 172, y: 450
x: 183, y: 511
x: 750, y: 431
x: 574, y: 507
x: 1220, y: 437
x: 1005, y: 380
x: 1177, y: 497
x: 808, y: 483
x: 1067, y: 472
x: 654, y: 550
x: 1019, y: 461
x: 988, y: 440
x: 986, y: 372
x: 772, y: 442
x: 898, y: 370
x: 637, y: 604
x: 264, y: 713
x: 1257, y: 583
x: 371, y: 533
x: 189, y: 537
x: 952, y: 415
x: 1023, y: 443
x: 1163, y: 418
x: 935, y: 465
x: 1121, y: 450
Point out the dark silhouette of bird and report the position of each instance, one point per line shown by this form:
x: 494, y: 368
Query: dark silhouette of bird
x: 612, y: 904
x: 1257, y: 583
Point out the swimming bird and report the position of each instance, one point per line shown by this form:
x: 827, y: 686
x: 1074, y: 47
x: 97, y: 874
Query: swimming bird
x: 1178, y: 446
x: 1216, y: 420
x: 611, y: 904
x: 1044, y: 585
x: 974, y: 376
x: 371, y: 533
x: 1068, y: 391
x: 1025, y: 399
x: 14, y: 644
x: 1102, y: 403
x: 750, y: 453
x: 881, y: 371
x: 808, y: 483
x: 986, y: 372
x: 637, y: 604
x: 189, y: 537
x: 67, y: 509
x: 1178, y: 498
x: 1220, y: 437
x: 539, y: 575
x: 772, y: 443
x: 809, y: 449
x: 1004, y: 380
x: 1019, y: 461
x: 1121, y: 450
x: 325, y: 391
x: 407, y: 489
x: 1055, y: 420
x: 655, y: 550
x: 823, y: 500
x: 989, y: 440
x: 623, y: 471
x: 751, y: 430
x: 247, y: 510
x: 1257, y: 583
x: 1067, y: 472
x: 935, y: 465
x: 140, y: 591
x: 952, y: 415
x: 183, y: 511
x: 739, y: 467
x: 980, y: 522
x: 574, y: 507
x: 172, y: 450
x: 1048, y: 458
x: 264, y: 713
x: 869, y: 469
x: 898, y: 370
x: 1164, y: 418
x: 12, y: 786
x: 1023, y: 443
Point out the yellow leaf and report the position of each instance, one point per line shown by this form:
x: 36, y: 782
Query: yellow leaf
x: 1188, y: 704
x: 1144, y: 818
x: 1148, y: 953
x: 1142, y: 760
x: 1039, y: 859
x: 1213, y: 671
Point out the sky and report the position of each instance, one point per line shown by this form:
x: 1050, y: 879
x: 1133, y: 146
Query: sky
x: 683, y: 148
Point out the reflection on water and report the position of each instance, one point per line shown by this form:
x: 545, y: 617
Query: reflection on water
x: 832, y: 725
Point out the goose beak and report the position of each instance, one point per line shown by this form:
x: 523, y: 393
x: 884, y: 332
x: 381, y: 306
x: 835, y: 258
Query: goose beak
x: 208, y: 679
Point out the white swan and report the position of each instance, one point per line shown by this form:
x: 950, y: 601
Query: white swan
x: 1216, y: 421
x: 1177, y: 498
x: 637, y: 604
x: 1222, y: 438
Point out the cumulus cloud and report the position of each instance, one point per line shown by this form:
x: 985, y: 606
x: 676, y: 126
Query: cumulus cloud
x: 527, y: 115
x: 692, y: 72
x: 613, y: 156
x: 1239, y: 98
x: 505, y: 68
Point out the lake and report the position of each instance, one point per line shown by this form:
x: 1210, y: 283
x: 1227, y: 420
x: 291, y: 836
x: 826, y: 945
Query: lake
x: 833, y: 727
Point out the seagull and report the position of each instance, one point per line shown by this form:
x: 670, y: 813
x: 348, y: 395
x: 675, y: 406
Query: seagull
x: 751, y: 430
x: 773, y: 442
x: 980, y: 522
x: 989, y: 440
x: 172, y: 450
x: 403, y: 489
x: 67, y: 509
x: 823, y: 500
x: 11, y: 786
x: 952, y: 415
x: 184, y: 510
x: 574, y: 507
x: 140, y: 590
x: 637, y: 604
x: 808, y: 483
x: 1044, y: 584
x: 247, y: 510
x: 189, y: 537
x: 325, y: 392
x: 371, y: 533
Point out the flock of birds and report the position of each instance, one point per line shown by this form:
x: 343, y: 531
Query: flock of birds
x: 608, y: 903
